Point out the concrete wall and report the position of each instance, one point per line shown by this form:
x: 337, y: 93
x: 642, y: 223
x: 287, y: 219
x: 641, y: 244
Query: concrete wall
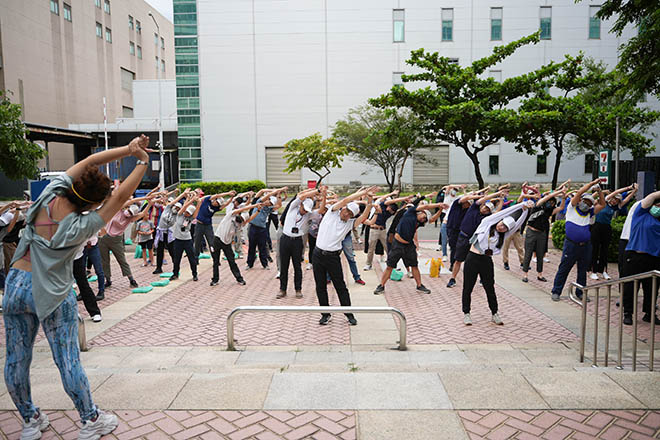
x: 271, y: 71
x: 65, y: 69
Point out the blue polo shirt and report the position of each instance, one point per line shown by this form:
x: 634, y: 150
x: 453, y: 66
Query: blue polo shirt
x: 206, y: 211
x: 456, y: 215
x: 408, y: 224
x: 261, y: 220
x: 381, y: 219
x: 605, y: 216
x: 471, y: 220
x: 644, y: 233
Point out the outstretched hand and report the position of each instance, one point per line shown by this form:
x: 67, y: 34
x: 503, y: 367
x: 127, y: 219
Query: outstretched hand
x: 139, y: 147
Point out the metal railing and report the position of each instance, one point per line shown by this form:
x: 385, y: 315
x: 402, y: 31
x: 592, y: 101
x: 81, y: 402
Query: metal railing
x: 635, y: 279
x: 314, y: 309
x: 82, y: 337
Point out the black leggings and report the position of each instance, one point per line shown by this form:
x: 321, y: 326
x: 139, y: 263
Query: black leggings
x: 83, y: 287
x: 311, y: 243
x: 481, y: 266
x: 187, y: 246
x: 601, y: 235
x: 535, y: 241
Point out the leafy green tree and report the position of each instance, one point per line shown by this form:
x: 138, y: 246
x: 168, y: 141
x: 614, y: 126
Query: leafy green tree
x: 640, y: 56
x: 383, y: 138
x: 314, y: 153
x: 461, y: 107
x: 18, y: 156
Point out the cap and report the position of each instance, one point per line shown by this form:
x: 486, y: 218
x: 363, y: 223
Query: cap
x: 428, y: 214
x: 178, y: 205
x: 190, y: 209
x: 6, y: 218
x: 509, y: 222
x: 354, y: 208
x: 134, y: 209
x: 170, y: 200
x: 618, y: 196
x: 588, y: 197
x: 308, y: 205
x: 245, y: 216
x: 490, y: 206
x: 272, y: 200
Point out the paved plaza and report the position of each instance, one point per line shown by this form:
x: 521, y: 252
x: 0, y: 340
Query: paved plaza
x: 159, y: 362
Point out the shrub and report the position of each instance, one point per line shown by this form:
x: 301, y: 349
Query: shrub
x: 558, y: 231
x: 221, y: 187
x: 559, y: 234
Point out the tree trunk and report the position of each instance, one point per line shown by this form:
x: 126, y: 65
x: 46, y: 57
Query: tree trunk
x: 477, y: 172
x: 555, y: 172
x: 403, y: 165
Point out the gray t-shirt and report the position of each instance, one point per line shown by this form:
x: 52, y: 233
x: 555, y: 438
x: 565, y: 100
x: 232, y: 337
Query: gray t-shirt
x: 52, y: 260
x: 167, y: 218
x: 144, y: 226
x: 182, y: 227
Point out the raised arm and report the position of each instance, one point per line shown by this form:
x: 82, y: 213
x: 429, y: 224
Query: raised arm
x: 649, y: 200
x: 488, y: 197
x: 365, y: 214
x: 355, y: 196
x: 578, y: 196
x: 629, y: 197
x: 601, y: 201
x: 547, y: 197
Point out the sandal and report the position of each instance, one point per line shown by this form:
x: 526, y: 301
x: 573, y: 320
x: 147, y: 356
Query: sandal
x: 524, y: 280
x: 542, y: 279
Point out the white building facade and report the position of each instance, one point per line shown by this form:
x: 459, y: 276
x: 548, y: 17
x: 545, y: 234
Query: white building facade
x: 273, y: 70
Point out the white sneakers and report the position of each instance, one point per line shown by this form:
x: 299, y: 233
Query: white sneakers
x: 444, y: 258
x: 97, y: 318
x: 32, y: 429
x: 606, y: 276
x: 467, y: 320
x: 277, y: 276
x: 367, y: 267
x: 496, y: 319
x: 593, y: 276
x: 104, y: 424
x: 309, y: 266
x: 547, y: 260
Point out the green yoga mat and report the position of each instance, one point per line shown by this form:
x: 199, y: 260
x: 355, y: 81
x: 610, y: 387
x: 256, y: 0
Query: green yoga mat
x: 166, y: 274
x: 161, y: 283
x: 204, y: 256
x: 143, y: 289
x: 92, y: 278
x: 128, y: 242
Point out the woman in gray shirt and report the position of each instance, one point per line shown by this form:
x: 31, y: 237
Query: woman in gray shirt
x: 39, y: 284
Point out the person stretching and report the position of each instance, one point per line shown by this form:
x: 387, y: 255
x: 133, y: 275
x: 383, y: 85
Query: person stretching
x: 183, y: 237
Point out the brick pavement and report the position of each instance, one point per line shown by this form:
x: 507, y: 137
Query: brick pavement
x: 205, y: 425
x: 195, y: 314
x: 561, y: 425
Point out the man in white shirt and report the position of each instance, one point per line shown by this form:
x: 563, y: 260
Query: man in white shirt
x: 291, y: 244
x: 336, y: 223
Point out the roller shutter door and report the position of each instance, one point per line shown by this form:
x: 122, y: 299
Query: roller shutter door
x: 436, y: 174
x: 275, y: 165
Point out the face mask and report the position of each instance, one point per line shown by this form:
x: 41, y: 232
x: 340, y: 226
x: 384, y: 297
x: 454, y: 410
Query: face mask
x: 549, y: 205
x: 582, y: 206
x: 453, y: 193
x: 127, y: 213
x: 655, y: 211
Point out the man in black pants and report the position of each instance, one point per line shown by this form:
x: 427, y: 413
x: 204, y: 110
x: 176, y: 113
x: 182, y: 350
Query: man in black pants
x: 257, y: 235
x: 291, y: 243
x: 336, y: 223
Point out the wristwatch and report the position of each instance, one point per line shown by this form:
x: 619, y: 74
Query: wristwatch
x: 141, y: 162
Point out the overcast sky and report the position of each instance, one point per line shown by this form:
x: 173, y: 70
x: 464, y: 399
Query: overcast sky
x: 163, y: 6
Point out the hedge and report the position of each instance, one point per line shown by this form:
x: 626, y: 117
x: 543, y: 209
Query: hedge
x: 221, y: 187
x: 559, y: 234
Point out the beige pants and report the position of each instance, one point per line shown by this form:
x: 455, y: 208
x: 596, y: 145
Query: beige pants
x: 517, y: 239
x: 376, y: 235
x: 116, y: 245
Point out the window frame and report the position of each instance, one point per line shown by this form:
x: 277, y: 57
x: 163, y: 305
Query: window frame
x: 589, y: 163
x: 396, y: 20
x: 501, y: 19
x: 545, y: 164
x: 131, y: 48
x: 131, y: 24
x: 138, y: 51
x: 108, y: 35
x: 396, y: 75
x: 442, y: 25
x: 67, y: 8
x: 55, y: 7
x: 490, y: 157
x: 162, y: 43
x: 591, y: 20
x: 541, y: 18
x: 106, y: 7
x: 138, y: 27
x: 99, y: 30
x: 97, y: 3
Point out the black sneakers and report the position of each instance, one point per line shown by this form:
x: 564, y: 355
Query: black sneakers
x: 213, y: 283
x: 241, y: 282
x: 380, y: 289
x: 174, y: 277
x: 451, y: 283
x: 325, y: 319
x: 627, y: 319
x: 157, y: 271
x: 100, y: 296
x: 647, y: 318
x: 423, y: 289
x: 195, y: 278
x: 133, y: 283
x: 506, y: 266
x: 108, y: 283
x: 351, y: 320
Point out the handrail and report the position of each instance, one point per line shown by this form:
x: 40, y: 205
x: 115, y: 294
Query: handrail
x: 315, y: 309
x: 635, y: 279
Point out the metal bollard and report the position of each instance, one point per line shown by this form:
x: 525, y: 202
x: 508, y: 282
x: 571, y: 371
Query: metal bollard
x: 654, y: 296
x: 607, y: 327
x: 82, y: 337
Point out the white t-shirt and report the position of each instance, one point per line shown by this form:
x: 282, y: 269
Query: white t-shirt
x: 449, y: 200
x: 294, y: 219
x: 333, y: 230
x: 625, y: 232
x: 227, y: 229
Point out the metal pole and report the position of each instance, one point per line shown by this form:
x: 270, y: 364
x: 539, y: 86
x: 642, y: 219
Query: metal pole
x: 595, y: 361
x: 105, y: 134
x: 607, y: 329
x: 620, y: 353
x: 616, y: 165
x: 583, y: 326
x: 161, y: 153
x: 654, y: 296
x: 636, y: 287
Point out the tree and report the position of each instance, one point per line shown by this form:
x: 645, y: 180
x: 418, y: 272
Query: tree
x: 640, y: 56
x: 18, y: 156
x: 610, y: 99
x: 383, y: 138
x: 314, y: 153
x: 461, y: 107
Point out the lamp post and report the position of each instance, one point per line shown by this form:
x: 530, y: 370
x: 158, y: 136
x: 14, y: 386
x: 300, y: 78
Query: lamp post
x: 161, y: 174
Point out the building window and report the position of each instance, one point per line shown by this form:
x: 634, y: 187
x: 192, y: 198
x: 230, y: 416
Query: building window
x: 130, y: 22
x: 162, y: 65
x: 139, y: 52
x: 131, y: 48
x: 399, y: 23
x: 594, y: 23
x: 138, y: 26
x: 157, y: 63
x: 396, y: 79
x: 67, y: 12
x: 106, y: 6
x: 546, y: 22
x: 496, y: 75
x: 447, y: 24
x: 162, y: 43
x: 126, y: 112
x: 99, y: 30
x: 496, y: 24
x: 589, y: 163
x: 541, y: 164
x: 156, y: 40
x: 108, y: 35
x: 97, y: 3
x: 493, y: 165
x: 127, y: 78
x: 55, y: 7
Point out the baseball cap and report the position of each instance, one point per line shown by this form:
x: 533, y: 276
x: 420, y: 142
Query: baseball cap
x: 490, y: 206
x: 134, y: 209
x: 354, y: 208
x: 308, y: 205
x: 190, y: 209
x: 509, y: 222
x: 178, y: 205
x: 588, y: 197
x: 272, y: 200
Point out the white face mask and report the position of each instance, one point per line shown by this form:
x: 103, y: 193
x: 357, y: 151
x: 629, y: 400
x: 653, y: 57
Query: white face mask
x: 127, y: 213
